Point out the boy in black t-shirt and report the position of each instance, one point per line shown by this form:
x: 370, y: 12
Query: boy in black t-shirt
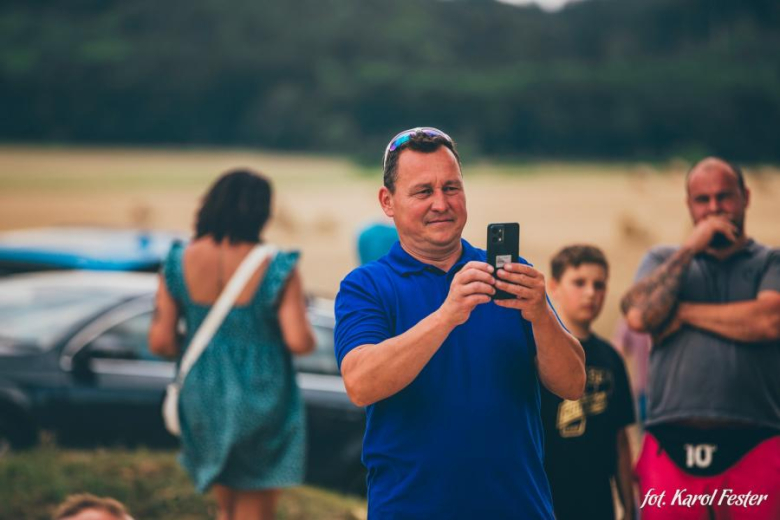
x: 586, y: 444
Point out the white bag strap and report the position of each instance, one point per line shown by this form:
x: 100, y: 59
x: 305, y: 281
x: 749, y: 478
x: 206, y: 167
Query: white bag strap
x: 224, y: 303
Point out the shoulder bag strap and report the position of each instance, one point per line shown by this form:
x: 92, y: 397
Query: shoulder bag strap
x: 222, y: 306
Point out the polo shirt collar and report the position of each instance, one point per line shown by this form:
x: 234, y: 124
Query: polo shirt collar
x: 751, y: 249
x: 405, y: 264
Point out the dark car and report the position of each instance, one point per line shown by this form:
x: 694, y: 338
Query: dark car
x: 83, y: 247
x: 74, y: 361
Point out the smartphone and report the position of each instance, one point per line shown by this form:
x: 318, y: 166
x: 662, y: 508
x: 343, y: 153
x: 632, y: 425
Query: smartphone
x: 503, y: 246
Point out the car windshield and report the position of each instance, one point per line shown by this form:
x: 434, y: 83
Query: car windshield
x: 35, y: 317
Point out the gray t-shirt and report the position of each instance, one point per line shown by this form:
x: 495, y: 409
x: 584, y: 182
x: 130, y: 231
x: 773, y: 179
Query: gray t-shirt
x: 698, y: 374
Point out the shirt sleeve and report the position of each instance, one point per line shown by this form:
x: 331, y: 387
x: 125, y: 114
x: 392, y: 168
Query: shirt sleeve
x: 172, y: 272
x: 771, y: 279
x: 651, y: 261
x: 361, y: 316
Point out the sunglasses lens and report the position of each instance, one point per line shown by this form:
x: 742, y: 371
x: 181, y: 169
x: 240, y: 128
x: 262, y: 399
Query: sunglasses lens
x: 403, y: 137
x: 400, y: 141
x: 432, y: 132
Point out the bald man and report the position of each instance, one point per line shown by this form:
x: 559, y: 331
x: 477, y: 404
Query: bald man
x: 712, y: 448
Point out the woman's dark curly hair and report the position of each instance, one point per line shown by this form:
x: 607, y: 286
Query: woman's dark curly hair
x: 236, y: 207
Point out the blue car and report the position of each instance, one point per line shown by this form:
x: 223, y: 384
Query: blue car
x: 89, y: 247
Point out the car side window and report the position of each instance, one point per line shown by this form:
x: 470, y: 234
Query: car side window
x: 322, y: 360
x: 126, y: 340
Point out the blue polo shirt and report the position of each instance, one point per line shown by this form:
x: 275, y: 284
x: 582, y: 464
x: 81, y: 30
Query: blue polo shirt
x: 464, y: 440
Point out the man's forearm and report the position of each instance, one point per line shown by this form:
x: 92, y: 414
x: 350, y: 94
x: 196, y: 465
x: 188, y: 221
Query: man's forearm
x: 375, y: 372
x: 649, y: 303
x: 560, y: 359
x: 752, y: 321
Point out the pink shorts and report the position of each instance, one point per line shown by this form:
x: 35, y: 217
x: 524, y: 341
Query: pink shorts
x: 750, y: 489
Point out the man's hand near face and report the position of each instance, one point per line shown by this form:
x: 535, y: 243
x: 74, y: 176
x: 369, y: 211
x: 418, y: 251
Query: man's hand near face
x: 653, y: 305
x: 705, y: 230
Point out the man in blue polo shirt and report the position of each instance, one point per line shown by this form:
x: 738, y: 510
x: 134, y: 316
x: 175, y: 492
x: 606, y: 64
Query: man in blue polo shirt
x: 450, y: 379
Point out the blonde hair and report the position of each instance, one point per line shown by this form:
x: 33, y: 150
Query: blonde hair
x: 75, y: 504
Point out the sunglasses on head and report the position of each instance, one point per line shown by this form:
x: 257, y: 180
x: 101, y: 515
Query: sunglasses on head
x: 403, y: 137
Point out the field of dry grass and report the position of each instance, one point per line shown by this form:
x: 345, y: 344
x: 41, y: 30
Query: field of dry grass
x: 322, y: 201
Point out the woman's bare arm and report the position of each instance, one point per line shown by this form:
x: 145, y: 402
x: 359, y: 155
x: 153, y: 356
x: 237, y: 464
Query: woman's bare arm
x: 163, y: 340
x: 296, y: 331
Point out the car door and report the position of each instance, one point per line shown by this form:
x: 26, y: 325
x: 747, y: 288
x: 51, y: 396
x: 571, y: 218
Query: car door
x: 335, y: 425
x: 117, y: 385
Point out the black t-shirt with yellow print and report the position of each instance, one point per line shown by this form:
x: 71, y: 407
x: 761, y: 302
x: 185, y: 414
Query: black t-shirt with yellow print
x: 581, y: 436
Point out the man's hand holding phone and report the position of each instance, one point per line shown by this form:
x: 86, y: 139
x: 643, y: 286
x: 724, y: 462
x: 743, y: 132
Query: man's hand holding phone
x: 472, y: 286
x: 527, y: 285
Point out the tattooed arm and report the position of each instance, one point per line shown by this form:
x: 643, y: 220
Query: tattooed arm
x: 650, y: 305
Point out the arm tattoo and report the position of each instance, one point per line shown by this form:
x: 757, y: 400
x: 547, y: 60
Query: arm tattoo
x: 656, y: 295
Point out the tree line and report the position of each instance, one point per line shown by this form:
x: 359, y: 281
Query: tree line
x: 601, y: 79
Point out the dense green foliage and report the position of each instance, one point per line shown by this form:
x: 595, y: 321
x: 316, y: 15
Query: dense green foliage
x: 602, y: 78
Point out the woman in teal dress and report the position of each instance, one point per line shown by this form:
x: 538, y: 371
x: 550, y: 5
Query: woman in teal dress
x: 241, y: 413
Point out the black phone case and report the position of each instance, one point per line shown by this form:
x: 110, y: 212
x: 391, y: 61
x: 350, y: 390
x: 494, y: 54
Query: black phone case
x: 503, y: 246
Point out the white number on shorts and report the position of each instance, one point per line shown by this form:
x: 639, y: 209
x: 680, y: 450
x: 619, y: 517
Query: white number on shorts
x: 699, y: 455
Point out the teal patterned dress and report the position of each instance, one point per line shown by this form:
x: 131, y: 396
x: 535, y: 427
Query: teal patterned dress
x: 241, y: 412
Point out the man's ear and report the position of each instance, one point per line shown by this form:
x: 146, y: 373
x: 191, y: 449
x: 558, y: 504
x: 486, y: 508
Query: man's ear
x: 386, y: 201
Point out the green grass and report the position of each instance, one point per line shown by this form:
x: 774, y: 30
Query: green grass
x: 150, y: 483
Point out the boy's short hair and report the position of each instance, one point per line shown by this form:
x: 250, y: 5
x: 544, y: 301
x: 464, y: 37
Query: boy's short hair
x: 75, y: 504
x: 575, y: 256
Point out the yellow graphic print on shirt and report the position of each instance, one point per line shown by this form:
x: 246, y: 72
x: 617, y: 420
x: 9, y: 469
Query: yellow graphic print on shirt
x: 572, y: 415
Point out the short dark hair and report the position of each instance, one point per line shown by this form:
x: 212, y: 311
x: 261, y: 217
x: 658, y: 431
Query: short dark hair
x: 419, y: 142
x: 75, y: 504
x: 236, y: 207
x: 733, y: 166
x: 575, y: 256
